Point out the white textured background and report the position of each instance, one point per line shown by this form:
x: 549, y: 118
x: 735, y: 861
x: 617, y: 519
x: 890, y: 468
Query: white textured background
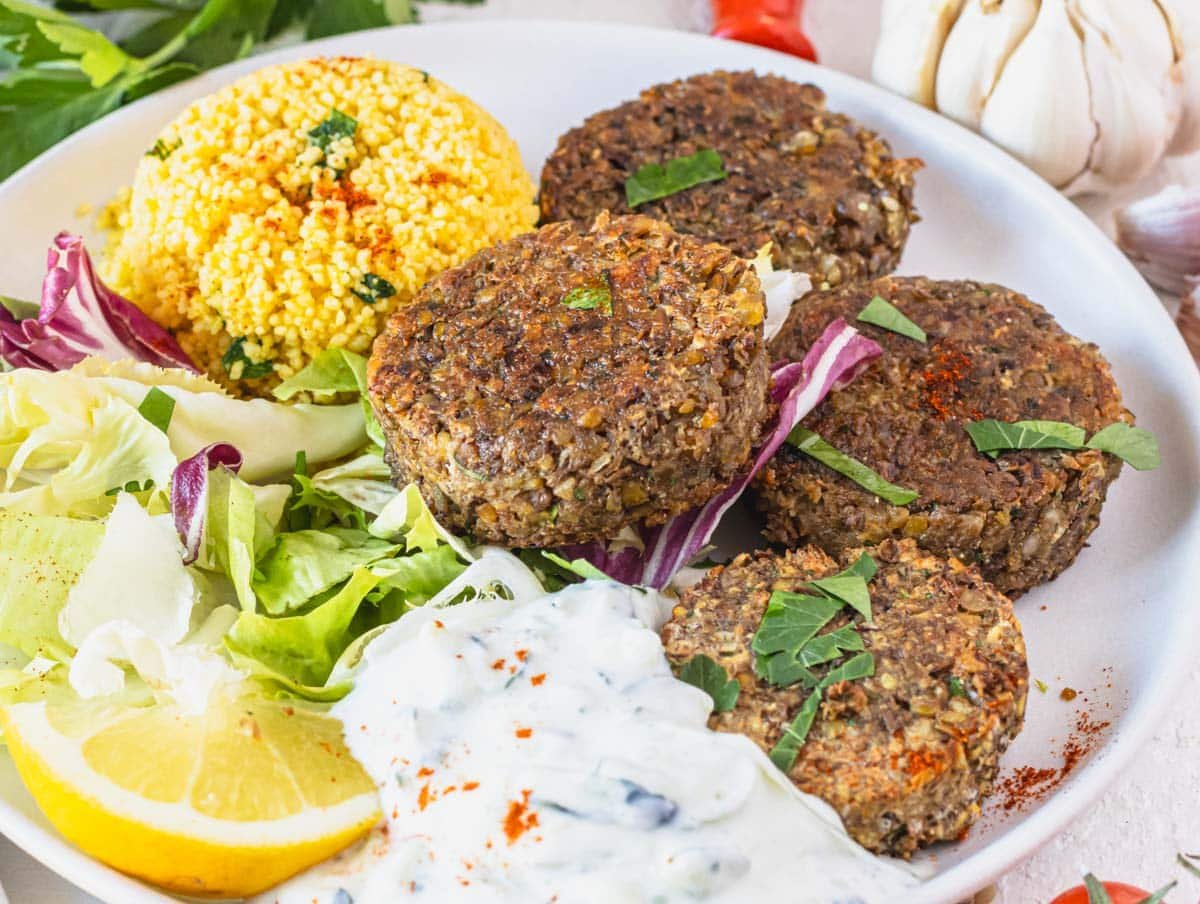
x: 1134, y: 832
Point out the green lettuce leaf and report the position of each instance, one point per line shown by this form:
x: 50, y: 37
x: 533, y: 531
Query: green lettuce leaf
x: 304, y: 564
x: 41, y: 558
x: 232, y: 523
x: 303, y: 648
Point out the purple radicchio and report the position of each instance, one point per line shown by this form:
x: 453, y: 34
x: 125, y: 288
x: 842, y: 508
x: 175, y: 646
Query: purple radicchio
x: 189, y: 493
x: 797, y: 387
x: 79, y: 317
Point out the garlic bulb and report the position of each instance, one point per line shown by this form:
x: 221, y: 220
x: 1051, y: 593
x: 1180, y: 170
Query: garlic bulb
x: 1161, y: 235
x: 1089, y: 93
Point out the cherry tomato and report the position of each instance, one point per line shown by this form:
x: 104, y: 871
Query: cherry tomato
x: 767, y: 23
x: 1118, y: 891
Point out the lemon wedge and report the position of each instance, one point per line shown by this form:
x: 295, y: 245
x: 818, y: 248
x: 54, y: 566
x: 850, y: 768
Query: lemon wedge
x: 222, y: 804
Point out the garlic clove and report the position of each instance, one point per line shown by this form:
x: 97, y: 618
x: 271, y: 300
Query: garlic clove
x: 1161, y: 235
x: 910, y: 43
x: 1130, y: 63
x: 1183, y: 17
x: 1040, y: 109
x: 976, y: 52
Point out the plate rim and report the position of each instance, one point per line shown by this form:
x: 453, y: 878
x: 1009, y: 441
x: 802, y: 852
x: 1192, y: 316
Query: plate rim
x: 1145, y: 712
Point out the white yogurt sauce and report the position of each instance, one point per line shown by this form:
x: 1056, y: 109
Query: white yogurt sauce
x: 539, y: 749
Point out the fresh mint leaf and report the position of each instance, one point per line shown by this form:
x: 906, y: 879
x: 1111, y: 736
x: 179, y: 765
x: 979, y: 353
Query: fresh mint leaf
x: 157, y: 407
x: 700, y: 671
x: 787, y: 748
x: 883, y: 313
x: 811, y: 444
x: 1137, y: 447
x: 589, y: 298
x: 656, y: 180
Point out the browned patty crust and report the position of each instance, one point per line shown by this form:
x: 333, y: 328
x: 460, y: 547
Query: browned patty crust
x: 992, y: 353
x: 527, y: 422
x: 905, y: 756
x: 825, y: 191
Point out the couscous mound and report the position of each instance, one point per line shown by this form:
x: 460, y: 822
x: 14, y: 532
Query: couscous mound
x: 293, y: 210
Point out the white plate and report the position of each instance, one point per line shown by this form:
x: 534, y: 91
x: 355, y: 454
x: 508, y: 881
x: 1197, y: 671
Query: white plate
x: 1123, y: 620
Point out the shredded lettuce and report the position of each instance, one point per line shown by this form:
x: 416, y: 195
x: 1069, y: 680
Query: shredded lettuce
x: 231, y: 526
x: 335, y: 372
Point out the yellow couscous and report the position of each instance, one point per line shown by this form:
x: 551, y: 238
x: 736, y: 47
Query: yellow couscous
x: 292, y: 210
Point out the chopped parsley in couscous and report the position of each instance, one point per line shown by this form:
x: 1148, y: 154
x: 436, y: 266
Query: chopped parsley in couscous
x: 291, y: 211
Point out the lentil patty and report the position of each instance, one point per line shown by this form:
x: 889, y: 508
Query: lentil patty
x: 825, y: 191
x: 529, y: 422
x: 905, y: 756
x: 992, y: 353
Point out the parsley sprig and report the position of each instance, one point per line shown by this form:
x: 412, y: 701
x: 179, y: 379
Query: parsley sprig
x: 789, y: 645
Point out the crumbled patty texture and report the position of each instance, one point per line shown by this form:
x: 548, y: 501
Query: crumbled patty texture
x: 825, y: 191
x: 241, y: 225
x: 992, y: 353
x: 530, y: 422
x: 906, y: 756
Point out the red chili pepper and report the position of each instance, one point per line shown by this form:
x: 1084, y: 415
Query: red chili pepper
x: 768, y: 23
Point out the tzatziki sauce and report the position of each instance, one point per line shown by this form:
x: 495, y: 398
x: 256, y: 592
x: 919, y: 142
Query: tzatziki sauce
x: 535, y: 747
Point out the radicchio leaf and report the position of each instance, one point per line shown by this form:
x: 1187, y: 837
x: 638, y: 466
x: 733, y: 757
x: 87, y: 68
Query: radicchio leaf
x: 189, y: 493
x: 80, y: 317
x: 797, y: 387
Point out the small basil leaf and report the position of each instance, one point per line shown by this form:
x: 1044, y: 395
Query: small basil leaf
x: 883, y: 313
x: 656, y: 180
x: 812, y: 445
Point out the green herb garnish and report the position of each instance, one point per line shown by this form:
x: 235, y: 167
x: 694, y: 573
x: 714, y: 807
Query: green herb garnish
x: 239, y: 365
x: 787, y: 748
x: 372, y: 289
x: 812, y: 445
x: 954, y: 683
x: 162, y: 150
x: 581, y: 567
x: 1040, y: 685
x: 789, y: 645
x: 702, y: 672
x: 132, y: 487
x: 883, y: 313
x: 157, y: 408
x: 589, y: 298
x: 336, y: 126
x: 1131, y: 444
x: 654, y: 180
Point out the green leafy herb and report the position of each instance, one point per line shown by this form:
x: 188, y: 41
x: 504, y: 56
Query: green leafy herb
x: 58, y: 74
x: 162, y: 150
x: 883, y: 313
x: 787, y: 748
x: 791, y: 620
x: 828, y: 647
x: 589, y: 298
x: 580, y: 567
x: 240, y: 366
x: 132, y: 487
x: 812, y: 445
x: 654, y: 180
x: 850, y: 589
x: 1040, y: 685
x: 373, y: 289
x: 334, y: 127
x: 702, y: 672
x: 954, y: 683
x: 1132, y: 444
x: 860, y: 666
x: 157, y: 408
